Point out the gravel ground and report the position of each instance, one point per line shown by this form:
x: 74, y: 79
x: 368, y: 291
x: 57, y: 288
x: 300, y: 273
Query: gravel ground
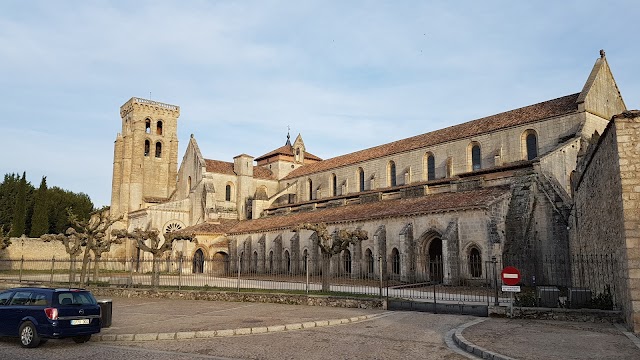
x: 541, y: 339
x: 397, y: 335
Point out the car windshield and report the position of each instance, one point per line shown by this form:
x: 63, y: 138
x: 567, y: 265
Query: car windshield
x: 76, y: 298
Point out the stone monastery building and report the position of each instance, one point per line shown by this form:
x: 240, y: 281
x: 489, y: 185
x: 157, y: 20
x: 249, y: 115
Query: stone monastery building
x: 493, y: 187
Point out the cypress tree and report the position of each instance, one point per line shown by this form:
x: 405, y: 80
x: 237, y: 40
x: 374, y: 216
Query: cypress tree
x: 20, y: 209
x: 40, y: 218
x: 8, y: 194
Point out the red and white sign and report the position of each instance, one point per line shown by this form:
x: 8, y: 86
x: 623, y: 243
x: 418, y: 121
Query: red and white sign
x: 510, y: 276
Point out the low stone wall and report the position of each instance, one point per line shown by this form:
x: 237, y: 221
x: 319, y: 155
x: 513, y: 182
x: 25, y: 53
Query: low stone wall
x: 577, y: 315
x: 312, y: 300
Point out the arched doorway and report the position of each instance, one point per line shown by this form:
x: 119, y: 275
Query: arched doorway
x: 198, y: 262
x: 219, y: 263
x: 435, y: 261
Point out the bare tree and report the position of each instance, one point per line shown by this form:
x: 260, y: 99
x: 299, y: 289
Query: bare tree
x: 101, y: 244
x: 94, y: 232
x: 151, y: 242
x: 84, y: 237
x: 73, y: 243
x: 331, y: 244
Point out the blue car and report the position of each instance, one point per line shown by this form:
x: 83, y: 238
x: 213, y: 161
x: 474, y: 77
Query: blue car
x: 38, y: 314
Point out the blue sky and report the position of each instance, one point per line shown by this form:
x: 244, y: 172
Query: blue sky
x: 347, y: 75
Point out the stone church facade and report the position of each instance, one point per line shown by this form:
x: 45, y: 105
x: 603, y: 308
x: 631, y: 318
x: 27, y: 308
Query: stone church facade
x: 493, y: 187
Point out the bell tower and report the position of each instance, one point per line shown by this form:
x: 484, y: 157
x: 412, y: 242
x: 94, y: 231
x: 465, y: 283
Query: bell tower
x: 145, y: 159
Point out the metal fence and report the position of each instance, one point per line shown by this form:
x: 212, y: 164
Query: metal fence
x: 580, y: 281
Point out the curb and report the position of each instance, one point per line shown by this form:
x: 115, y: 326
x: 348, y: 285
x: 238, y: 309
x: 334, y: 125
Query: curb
x: 470, y: 347
x: 634, y: 339
x: 181, y: 335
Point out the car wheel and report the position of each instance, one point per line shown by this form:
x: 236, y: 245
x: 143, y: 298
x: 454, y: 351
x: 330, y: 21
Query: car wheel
x: 28, y: 335
x: 81, y: 338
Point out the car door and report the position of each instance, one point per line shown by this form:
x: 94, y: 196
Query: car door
x: 5, y: 327
x: 16, y: 310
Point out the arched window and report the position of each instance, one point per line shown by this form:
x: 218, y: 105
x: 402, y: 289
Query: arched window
x: 310, y: 183
x: 287, y: 261
x: 147, y: 146
x: 369, y: 260
x: 227, y: 193
x: 334, y: 184
x: 392, y: 173
x: 475, y: 262
x: 147, y: 126
x: 271, y: 262
x: 395, y: 261
x: 159, y: 128
x: 532, y: 147
x: 254, y: 261
x: 530, y: 144
x: 431, y: 167
x: 158, y: 149
x: 360, y: 179
x: 346, y: 261
x: 475, y: 156
x: 189, y: 183
x: 449, y: 167
x: 305, y: 256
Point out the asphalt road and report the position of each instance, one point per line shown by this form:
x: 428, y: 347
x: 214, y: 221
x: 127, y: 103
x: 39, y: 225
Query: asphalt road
x: 396, y: 335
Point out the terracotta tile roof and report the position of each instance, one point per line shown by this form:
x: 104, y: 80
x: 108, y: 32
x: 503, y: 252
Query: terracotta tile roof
x: 521, y: 116
x: 286, y: 150
x: 210, y: 228
x: 260, y: 172
x: 223, y: 167
x: 381, y: 209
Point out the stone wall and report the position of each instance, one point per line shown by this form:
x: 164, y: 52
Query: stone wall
x: 507, y: 143
x: 34, y: 249
x: 607, y: 208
